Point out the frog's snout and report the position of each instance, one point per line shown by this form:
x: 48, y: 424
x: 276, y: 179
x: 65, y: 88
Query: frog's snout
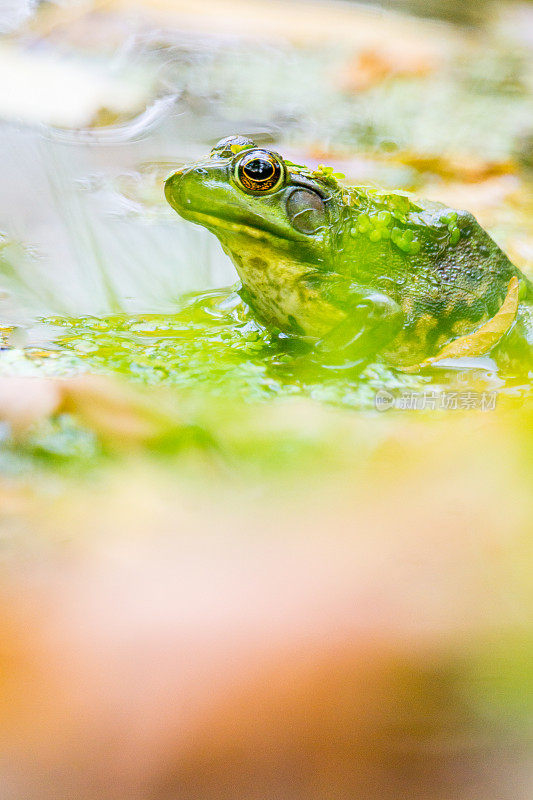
x: 171, y: 187
x: 186, y: 189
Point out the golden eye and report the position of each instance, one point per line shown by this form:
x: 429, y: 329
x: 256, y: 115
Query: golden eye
x: 259, y: 171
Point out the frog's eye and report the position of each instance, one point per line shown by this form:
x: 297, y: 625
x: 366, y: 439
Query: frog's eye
x: 306, y: 211
x: 259, y: 171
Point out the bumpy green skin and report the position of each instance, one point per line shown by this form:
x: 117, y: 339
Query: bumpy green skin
x: 439, y: 265
x: 378, y: 273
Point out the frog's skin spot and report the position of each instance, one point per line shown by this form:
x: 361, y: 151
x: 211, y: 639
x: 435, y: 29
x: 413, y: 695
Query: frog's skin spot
x: 296, y: 327
x: 408, y: 305
x: 424, y: 325
x: 443, y: 339
x: 461, y: 327
x: 450, y: 309
x: 408, y: 346
x: 257, y: 263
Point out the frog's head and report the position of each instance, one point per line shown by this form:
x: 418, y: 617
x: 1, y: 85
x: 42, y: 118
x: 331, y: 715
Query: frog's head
x: 252, y: 199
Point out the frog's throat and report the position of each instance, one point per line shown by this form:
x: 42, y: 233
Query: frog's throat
x: 279, y: 292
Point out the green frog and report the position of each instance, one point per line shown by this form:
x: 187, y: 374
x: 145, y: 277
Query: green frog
x: 355, y: 271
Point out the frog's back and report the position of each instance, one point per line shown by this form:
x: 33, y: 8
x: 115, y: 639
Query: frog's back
x: 441, y: 267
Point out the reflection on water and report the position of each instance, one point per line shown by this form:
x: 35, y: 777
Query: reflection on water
x: 84, y: 245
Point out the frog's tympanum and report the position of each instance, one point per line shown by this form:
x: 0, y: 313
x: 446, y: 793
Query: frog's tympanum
x: 355, y: 271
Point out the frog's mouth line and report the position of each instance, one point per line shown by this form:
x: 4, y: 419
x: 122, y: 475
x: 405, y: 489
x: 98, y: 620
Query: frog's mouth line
x: 258, y: 231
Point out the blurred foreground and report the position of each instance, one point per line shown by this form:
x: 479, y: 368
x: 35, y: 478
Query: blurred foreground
x: 215, y: 622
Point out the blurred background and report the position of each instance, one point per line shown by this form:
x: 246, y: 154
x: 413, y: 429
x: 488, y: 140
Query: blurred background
x: 101, y: 100
x: 218, y: 580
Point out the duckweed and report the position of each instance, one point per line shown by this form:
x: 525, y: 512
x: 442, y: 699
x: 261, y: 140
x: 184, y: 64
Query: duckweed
x: 378, y: 228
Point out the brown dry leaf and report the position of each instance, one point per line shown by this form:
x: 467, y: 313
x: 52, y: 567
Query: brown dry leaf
x: 323, y: 20
x: 120, y: 415
x: 52, y: 16
x: 27, y: 401
x: 467, y: 168
x: 371, y: 67
x: 486, y: 198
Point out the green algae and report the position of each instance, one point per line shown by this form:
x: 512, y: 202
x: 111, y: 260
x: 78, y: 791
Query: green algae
x: 213, y: 346
x: 216, y: 361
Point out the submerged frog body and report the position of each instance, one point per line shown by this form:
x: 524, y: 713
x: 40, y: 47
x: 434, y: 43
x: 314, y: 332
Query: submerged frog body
x: 356, y: 271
